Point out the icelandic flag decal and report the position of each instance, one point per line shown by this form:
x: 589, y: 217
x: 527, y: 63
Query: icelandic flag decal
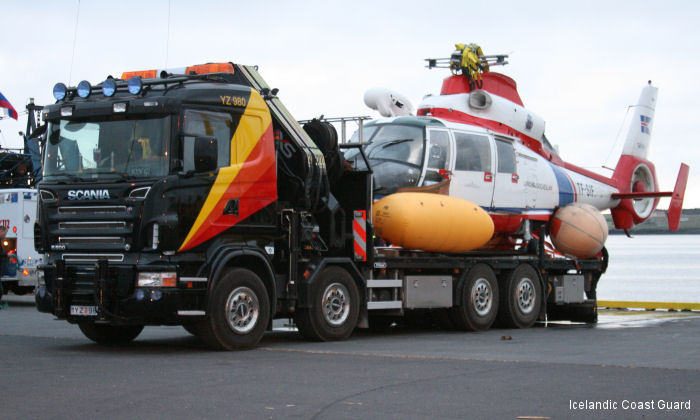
x: 4, y: 103
x: 645, y: 124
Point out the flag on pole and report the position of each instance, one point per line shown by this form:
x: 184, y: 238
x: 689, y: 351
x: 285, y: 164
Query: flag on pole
x: 4, y: 103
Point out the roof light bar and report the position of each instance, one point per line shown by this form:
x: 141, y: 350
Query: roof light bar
x: 109, y: 87
x: 135, y: 85
x: 84, y: 89
x: 60, y: 91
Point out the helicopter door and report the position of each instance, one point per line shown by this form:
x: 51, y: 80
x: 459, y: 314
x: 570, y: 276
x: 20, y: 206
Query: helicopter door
x: 472, y: 178
x: 508, y: 195
x: 439, y: 158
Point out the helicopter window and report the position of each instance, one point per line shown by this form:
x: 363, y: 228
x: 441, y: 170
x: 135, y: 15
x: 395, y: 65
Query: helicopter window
x: 401, y: 143
x: 439, y: 151
x: 367, y: 132
x: 506, y: 157
x: 473, y: 153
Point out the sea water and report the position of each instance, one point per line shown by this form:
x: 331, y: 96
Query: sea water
x: 652, y: 268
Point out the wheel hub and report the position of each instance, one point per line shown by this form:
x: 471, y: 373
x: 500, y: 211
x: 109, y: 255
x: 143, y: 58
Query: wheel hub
x: 335, y: 304
x: 526, y: 295
x: 242, y: 310
x: 482, y: 297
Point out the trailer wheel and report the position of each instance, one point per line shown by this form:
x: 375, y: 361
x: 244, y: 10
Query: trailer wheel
x: 335, y: 307
x: 478, y: 306
x: 521, y: 299
x: 239, y: 311
x: 110, y: 334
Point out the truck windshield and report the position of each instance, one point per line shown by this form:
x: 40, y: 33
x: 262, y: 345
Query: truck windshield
x: 395, y: 153
x: 116, y: 148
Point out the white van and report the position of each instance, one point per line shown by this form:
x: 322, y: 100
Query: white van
x: 17, y: 214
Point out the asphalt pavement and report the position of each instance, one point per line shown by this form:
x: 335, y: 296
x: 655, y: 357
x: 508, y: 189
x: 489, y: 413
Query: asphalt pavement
x: 631, y: 365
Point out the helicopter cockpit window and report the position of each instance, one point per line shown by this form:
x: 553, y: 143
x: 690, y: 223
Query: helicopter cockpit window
x: 473, y: 153
x: 438, y: 156
x: 397, y: 142
x: 395, y: 153
x: 366, y: 134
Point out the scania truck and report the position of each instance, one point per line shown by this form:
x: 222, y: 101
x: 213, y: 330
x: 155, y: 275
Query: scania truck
x: 192, y: 197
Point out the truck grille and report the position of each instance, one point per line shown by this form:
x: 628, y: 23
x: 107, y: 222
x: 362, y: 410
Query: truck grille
x: 91, y: 225
x: 88, y: 230
x: 91, y: 240
x: 92, y: 210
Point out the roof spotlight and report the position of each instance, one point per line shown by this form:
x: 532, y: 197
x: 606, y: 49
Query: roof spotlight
x: 59, y: 91
x: 109, y: 86
x: 84, y: 89
x: 135, y: 85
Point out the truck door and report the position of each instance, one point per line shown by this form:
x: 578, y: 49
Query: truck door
x: 472, y: 177
x: 194, y: 189
x: 246, y: 181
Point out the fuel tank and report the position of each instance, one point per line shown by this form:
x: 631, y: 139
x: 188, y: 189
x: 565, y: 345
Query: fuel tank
x: 431, y: 222
x: 578, y: 229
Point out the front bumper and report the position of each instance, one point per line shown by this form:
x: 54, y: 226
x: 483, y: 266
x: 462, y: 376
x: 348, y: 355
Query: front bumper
x: 110, y: 292
x: 28, y: 280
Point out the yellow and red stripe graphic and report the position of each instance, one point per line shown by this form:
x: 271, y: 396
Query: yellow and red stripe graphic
x: 251, y: 178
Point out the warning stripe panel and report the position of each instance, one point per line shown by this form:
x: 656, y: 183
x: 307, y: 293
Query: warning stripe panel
x: 359, y: 228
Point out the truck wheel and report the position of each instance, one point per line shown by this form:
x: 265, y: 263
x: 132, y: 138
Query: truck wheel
x: 335, y: 307
x: 110, y: 334
x: 239, y: 310
x: 478, y: 305
x: 521, y: 298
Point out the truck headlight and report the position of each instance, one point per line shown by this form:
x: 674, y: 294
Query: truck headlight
x: 159, y: 279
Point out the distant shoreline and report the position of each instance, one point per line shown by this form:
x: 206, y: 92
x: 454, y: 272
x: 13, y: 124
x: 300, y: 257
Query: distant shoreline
x: 657, y: 224
x: 655, y: 232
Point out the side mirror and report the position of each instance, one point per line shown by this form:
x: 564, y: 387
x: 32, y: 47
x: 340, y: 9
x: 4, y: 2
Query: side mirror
x: 206, y: 152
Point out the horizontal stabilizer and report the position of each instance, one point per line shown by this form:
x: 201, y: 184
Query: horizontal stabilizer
x: 643, y: 194
x: 674, y: 209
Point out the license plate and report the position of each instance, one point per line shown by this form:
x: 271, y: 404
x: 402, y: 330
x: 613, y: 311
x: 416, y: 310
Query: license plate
x: 83, y: 310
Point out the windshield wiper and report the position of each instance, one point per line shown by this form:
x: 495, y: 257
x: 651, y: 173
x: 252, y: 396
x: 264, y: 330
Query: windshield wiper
x: 393, y: 142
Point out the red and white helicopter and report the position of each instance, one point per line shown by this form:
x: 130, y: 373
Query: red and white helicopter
x: 476, y: 141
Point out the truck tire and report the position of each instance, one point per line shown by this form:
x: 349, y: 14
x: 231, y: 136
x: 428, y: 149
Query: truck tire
x: 110, y: 334
x: 478, y: 304
x: 239, y: 310
x: 521, y: 298
x: 335, y: 307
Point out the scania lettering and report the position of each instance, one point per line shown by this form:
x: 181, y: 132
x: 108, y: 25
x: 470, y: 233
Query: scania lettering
x: 88, y: 195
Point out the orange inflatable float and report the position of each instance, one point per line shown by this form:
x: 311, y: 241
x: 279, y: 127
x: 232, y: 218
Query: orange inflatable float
x: 431, y: 222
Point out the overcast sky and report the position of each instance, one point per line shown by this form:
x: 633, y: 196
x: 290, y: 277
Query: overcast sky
x: 578, y: 66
